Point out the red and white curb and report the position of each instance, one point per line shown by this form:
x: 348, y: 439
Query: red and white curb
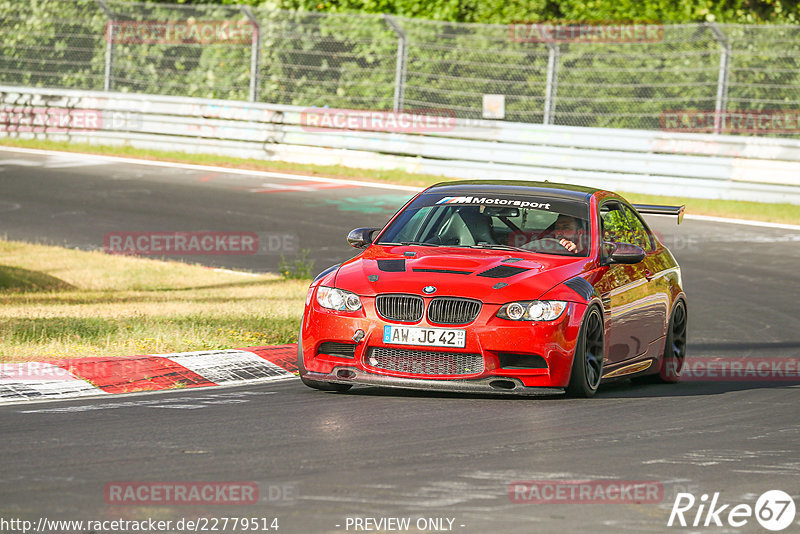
x: 83, y: 377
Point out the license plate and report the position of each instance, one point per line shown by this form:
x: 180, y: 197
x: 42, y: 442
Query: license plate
x: 431, y: 337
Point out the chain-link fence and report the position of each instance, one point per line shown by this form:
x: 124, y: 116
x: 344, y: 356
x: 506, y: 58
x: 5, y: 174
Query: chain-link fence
x: 384, y: 63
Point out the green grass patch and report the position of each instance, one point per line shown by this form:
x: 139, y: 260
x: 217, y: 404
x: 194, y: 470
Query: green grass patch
x: 757, y: 211
x: 65, y: 303
x: 780, y: 213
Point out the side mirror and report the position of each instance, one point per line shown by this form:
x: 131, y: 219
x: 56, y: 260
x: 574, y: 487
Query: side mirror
x: 361, y: 237
x: 624, y: 253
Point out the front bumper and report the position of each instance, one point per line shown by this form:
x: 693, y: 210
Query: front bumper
x: 489, y: 336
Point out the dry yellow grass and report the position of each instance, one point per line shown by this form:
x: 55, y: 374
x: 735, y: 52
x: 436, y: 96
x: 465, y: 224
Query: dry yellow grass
x: 63, y: 303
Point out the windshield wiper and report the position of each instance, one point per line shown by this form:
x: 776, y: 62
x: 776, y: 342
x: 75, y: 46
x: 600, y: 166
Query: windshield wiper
x: 407, y: 243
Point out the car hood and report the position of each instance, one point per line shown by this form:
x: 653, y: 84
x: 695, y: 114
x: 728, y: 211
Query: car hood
x: 472, y: 273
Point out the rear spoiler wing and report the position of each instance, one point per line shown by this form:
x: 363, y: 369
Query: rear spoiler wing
x: 655, y: 209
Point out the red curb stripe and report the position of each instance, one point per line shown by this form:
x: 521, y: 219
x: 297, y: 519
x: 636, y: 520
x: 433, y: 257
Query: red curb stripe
x: 282, y: 355
x: 135, y: 373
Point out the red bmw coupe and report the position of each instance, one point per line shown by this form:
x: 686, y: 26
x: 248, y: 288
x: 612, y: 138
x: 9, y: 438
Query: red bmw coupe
x: 501, y: 287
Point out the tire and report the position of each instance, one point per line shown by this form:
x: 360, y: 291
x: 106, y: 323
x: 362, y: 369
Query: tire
x: 674, y: 357
x: 314, y: 384
x: 587, y: 362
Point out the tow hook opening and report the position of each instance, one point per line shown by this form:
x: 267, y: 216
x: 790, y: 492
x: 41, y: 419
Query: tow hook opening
x: 345, y: 373
x: 502, y: 384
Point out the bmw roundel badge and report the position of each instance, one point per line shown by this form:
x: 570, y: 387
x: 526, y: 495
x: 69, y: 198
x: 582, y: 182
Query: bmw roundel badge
x: 428, y: 290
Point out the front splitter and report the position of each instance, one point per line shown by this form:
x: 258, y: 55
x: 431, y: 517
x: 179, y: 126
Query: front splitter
x: 490, y: 385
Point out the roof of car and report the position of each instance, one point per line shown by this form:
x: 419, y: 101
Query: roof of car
x: 515, y: 187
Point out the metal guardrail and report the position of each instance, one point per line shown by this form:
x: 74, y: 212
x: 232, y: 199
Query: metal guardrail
x: 689, y: 165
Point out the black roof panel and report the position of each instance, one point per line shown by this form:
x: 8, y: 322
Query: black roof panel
x: 515, y: 187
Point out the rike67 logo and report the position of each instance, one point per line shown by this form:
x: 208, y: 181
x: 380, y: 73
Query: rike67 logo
x: 774, y: 510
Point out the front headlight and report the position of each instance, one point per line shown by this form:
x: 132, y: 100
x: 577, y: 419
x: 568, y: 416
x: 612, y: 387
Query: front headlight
x: 338, y: 299
x: 532, y: 310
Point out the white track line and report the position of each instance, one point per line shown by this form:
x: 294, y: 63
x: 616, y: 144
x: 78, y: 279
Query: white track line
x: 207, y: 168
x: 306, y: 178
x: 764, y: 224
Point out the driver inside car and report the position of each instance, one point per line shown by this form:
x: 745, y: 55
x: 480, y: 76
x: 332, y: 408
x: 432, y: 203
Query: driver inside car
x: 568, y: 231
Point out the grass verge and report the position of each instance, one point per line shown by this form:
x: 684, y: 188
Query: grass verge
x: 780, y: 213
x: 63, y: 303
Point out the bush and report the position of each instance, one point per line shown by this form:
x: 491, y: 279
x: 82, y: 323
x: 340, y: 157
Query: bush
x: 299, y: 268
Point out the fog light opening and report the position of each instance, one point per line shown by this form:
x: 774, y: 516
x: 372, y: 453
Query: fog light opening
x: 345, y: 373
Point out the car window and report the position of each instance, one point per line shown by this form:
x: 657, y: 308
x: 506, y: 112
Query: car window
x: 537, y: 224
x: 620, y: 225
x: 639, y: 232
x: 613, y: 222
x: 416, y: 224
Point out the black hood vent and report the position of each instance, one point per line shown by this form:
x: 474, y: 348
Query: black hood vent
x: 392, y: 266
x: 502, y: 271
x: 444, y: 271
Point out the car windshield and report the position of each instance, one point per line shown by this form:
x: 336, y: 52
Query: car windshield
x: 538, y: 224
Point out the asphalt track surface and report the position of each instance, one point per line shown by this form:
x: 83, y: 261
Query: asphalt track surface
x: 383, y: 453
